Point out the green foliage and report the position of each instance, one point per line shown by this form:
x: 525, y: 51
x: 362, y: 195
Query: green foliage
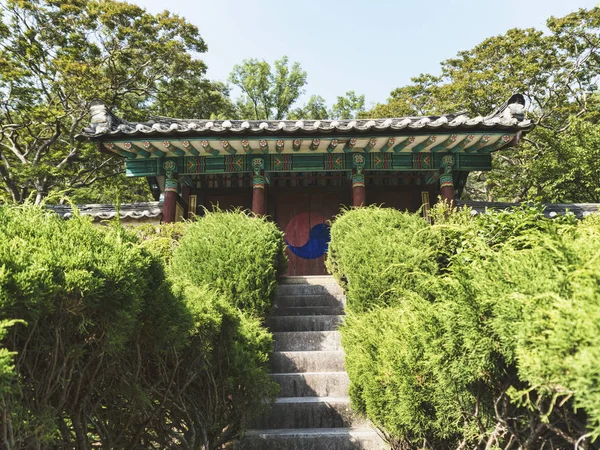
x: 109, y: 352
x: 557, y: 70
x: 226, y: 265
x: 94, y: 303
x: 55, y: 57
x: 237, y: 254
x: 570, y: 166
x: 161, y: 240
x: 204, y: 99
x: 7, y: 367
x: 45, y: 260
x: 271, y: 92
x: 395, y: 256
x: 392, y: 379
x: 315, y: 108
x: 268, y: 92
x: 224, y: 370
x: 494, y: 346
x: 348, y: 106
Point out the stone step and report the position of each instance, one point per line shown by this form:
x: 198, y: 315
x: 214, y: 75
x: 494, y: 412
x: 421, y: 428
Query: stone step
x: 308, y: 279
x: 310, y: 412
x: 313, y: 439
x: 304, y: 323
x: 307, y: 310
x: 309, y: 289
x: 288, y: 362
x: 313, y: 384
x: 310, y: 300
x: 307, y: 341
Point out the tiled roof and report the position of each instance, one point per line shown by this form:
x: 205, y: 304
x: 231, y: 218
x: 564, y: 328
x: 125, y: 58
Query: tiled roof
x: 131, y: 211
x: 580, y: 210
x: 104, y: 124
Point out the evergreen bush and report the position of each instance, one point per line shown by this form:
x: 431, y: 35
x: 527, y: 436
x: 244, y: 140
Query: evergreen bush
x: 107, y: 345
x: 237, y: 254
x: 86, y: 294
x: 379, y: 254
x: 221, y: 378
x: 161, y: 240
x: 494, y: 347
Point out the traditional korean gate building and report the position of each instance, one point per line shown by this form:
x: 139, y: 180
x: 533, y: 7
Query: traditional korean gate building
x: 301, y: 172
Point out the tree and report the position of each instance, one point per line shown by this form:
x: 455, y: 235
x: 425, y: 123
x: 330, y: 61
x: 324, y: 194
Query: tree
x: 56, y: 56
x: 349, y: 106
x: 558, y: 71
x: 193, y: 97
x: 315, y: 108
x: 268, y: 92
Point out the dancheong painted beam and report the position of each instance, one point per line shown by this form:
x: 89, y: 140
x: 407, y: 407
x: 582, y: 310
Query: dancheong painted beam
x: 406, y: 162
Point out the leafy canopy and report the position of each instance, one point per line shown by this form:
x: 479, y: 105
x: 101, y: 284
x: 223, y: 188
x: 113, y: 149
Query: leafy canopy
x: 56, y: 56
x: 268, y: 92
x: 558, y: 71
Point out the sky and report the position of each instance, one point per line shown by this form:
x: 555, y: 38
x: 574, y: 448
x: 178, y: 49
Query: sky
x: 369, y: 46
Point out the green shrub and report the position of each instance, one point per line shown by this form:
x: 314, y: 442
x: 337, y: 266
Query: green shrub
x: 109, y: 352
x: 549, y: 322
x: 224, y: 371
x: 161, y: 240
x: 379, y: 254
x: 388, y: 353
x: 226, y: 267
x: 237, y: 254
x: 493, y: 347
x: 93, y: 302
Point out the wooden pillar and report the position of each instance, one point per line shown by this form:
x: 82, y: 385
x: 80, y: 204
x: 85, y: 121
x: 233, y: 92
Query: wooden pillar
x: 446, y: 181
x: 258, y: 187
x: 358, y: 190
x: 170, y: 192
x: 170, y: 200
x: 358, y: 180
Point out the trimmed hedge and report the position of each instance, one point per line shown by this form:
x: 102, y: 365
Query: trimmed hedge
x: 226, y: 265
x: 379, y: 254
x: 494, y: 347
x: 104, y: 346
x: 237, y: 254
x: 88, y: 297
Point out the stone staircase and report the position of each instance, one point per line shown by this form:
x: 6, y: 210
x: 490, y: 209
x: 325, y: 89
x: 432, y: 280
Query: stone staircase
x: 313, y: 410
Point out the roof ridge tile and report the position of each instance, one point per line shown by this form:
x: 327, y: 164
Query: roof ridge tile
x: 104, y: 123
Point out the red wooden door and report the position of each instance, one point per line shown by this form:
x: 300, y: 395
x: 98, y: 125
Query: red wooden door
x: 304, y: 218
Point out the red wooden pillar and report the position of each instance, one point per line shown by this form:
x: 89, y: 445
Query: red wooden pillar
x: 170, y: 193
x: 446, y: 181
x: 170, y: 200
x: 258, y: 188
x: 258, y: 195
x: 358, y: 190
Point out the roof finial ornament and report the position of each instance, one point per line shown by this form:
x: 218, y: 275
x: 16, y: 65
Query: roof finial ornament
x: 513, y: 108
x: 99, y: 116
